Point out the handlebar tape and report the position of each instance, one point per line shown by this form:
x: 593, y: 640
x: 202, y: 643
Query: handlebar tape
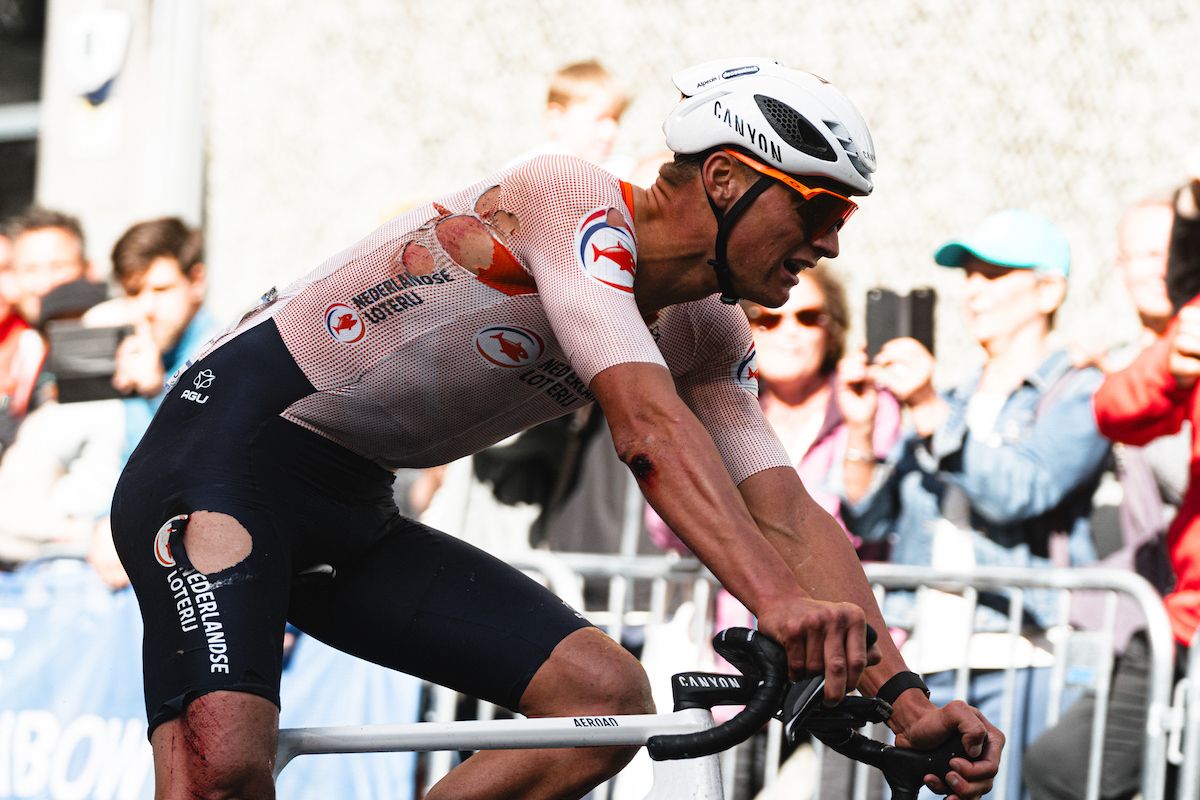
x: 757, y: 657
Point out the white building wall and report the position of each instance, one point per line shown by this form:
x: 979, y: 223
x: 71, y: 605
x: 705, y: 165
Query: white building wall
x: 323, y: 119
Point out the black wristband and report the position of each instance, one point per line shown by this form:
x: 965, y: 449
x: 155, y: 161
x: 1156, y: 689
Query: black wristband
x: 898, y: 683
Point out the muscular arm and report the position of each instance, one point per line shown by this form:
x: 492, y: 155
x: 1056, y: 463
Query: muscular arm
x: 683, y: 478
x: 820, y: 556
x: 775, y: 550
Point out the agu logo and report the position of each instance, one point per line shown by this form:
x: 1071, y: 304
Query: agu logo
x: 203, y: 380
x: 162, y: 541
x: 509, y: 346
x: 606, y: 249
x: 343, y: 323
x: 746, y: 373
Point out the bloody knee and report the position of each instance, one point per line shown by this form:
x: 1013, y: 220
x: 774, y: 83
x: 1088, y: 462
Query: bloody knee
x: 222, y: 746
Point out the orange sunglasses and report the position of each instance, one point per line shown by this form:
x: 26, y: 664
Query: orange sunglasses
x: 823, y: 210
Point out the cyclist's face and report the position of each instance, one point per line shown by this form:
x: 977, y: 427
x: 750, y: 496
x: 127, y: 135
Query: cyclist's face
x: 770, y: 245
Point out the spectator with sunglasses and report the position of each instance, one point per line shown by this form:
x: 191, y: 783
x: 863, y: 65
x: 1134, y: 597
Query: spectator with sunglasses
x: 998, y: 471
x: 799, y: 347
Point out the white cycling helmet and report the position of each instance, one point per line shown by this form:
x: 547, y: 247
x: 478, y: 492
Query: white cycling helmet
x: 783, y: 123
x: 792, y: 120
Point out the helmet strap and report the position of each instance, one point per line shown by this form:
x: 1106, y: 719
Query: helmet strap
x: 725, y: 223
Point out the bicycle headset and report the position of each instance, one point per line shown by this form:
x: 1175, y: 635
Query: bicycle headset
x: 783, y: 118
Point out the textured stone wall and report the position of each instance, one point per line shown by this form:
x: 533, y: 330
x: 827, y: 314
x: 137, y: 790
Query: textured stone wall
x: 324, y: 119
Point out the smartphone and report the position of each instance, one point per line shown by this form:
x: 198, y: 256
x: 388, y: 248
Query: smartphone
x: 921, y: 303
x: 891, y: 315
x: 83, y: 359
x: 883, y: 319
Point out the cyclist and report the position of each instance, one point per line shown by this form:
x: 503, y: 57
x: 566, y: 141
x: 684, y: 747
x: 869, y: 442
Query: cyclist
x: 261, y: 492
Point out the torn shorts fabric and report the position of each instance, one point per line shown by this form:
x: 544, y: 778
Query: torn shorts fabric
x: 401, y: 594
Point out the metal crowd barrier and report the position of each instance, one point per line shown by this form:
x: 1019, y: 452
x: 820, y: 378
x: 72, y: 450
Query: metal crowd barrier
x: 1081, y: 658
x: 1189, y: 769
x: 641, y: 591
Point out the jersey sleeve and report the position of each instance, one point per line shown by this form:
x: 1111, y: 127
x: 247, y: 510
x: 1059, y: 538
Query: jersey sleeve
x: 721, y: 388
x: 575, y: 234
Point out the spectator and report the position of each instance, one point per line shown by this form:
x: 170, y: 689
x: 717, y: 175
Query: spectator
x: 583, y: 114
x: 59, y: 473
x: 803, y: 391
x: 998, y: 471
x: 160, y: 266
x: 48, y: 251
x: 21, y: 352
x: 1143, y: 238
x: 1143, y: 241
x: 1151, y: 399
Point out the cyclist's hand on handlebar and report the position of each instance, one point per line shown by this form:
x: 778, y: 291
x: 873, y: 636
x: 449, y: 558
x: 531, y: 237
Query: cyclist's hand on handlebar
x: 982, y: 741
x: 822, y: 637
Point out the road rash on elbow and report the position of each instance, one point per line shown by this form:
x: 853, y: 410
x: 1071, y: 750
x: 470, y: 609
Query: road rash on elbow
x: 643, y: 468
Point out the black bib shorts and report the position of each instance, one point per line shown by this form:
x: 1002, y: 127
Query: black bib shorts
x: 402, y: 595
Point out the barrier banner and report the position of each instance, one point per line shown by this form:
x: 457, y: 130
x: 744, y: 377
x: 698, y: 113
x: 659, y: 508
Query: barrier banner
x: 72, y: 725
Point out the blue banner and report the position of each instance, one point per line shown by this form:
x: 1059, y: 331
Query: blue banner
x: 72, y: 723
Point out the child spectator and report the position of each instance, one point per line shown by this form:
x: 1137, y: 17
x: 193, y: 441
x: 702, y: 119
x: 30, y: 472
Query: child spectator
x: 583, y: 115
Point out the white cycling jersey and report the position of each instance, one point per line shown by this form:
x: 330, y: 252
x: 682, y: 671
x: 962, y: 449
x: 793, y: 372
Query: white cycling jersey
x: 490, y: 310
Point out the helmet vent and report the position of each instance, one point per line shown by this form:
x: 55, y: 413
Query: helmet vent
x: 794, y: 129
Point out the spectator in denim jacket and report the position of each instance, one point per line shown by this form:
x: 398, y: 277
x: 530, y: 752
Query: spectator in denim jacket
x: 999, y: 471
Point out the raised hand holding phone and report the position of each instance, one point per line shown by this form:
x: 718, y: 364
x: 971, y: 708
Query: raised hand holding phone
x: 139, y: 367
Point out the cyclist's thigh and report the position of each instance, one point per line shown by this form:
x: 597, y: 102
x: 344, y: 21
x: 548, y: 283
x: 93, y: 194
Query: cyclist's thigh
x: 433, y: 606
x: 205, y: 632
x: 213, y: 586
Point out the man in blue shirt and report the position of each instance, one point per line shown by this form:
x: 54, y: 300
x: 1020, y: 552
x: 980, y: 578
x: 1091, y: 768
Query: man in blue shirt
x: 999, y: 471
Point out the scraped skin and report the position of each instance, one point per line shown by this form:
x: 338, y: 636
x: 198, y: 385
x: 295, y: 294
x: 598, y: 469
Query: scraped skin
x: 416, y: 259
x: 467, y: 242
x: 215, y: 542
x: 223, y: 745
x: 488, y: 208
